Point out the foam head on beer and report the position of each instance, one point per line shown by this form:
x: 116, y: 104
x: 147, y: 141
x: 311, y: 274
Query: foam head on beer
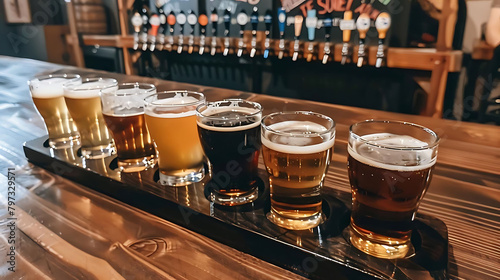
x: 90, y: 88
x: 48, y: 88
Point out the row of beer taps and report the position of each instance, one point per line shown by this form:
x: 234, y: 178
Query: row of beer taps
x: 156, y: 31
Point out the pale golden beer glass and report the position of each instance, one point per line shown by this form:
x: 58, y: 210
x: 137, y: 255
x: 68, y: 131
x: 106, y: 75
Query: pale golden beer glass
x: 84, y: 105
x: 297, y: 148
x: 390, y: 166
x: 123, y: 111
x: 171, y: 121
x: 48, y: 95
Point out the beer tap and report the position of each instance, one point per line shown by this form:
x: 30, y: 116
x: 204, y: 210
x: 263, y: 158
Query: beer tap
x: 227, y: 26
x: 362, y: 24
x: 214, y: 18
x: 346, y: 36
x: 254, y: 20
x: 311, y: 22
x: 137, y: 23
x: 203, y: 21
x: 383, y: 23
x: 171, y: 24
x: 281, y: 25
x: 181, y: 20
x: 163, y: 25
x: 242, y: 20
x: 268, y: 20
x: 145, y: 27
x: 327, y: 23
x: 298, y: 29
x: 192, y: 19
x: 154, y: 21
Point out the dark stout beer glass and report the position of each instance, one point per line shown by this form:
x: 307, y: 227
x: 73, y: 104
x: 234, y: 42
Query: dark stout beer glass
x: 390, y: 166
x: 123, y: 111
x: 297, y: 148
x: 229, y: 132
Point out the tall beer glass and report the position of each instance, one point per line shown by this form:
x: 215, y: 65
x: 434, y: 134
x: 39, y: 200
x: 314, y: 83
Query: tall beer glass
x: 84, y: 105
x: 171, y: 121
x: 123, y: 111
x: 230, y: 136
x: 390, y: 165
x: 48, y: 96
x: 297, y: 148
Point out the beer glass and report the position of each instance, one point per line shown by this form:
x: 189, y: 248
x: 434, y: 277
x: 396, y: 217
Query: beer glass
x: 229, y: 132
x: 171, y: 121
x: 390, y: 165
x: 297, y: 148
x: 84, y: 105
x: 48, y: 96
x: 123, y: 111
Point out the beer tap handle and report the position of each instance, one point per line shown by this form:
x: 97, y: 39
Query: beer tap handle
x: 298, y: 29
x: 268, y: 20
x: 214, y: 18
x: 203, y: 21
x: 327, y: 23
x: 227, y: 26
x: 346, y: 38
x: 311, y: 23
x: 137, y: 24
x: 362, y: 24
x: 281, y: 25
x: 154, y: 21
x: 254, y: 20
x: 242, y: 20
x: 162, y: 29
x: 171, y: 24
x: 181, y: 20
x: 144, y: 32
x: 192, y: 19
x: 382, y: 23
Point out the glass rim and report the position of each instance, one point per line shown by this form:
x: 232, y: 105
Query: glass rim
x: 106, y: 90
x: 71, y: 87
x: 40, y: 78
x: 200, y: 114
x: 296, y: 134
x: 402, y: 148
x: 149, y: 102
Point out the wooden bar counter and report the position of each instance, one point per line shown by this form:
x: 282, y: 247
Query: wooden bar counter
x: 65, y: 229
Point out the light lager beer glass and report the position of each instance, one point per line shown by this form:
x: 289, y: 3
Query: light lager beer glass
x: 48, y: 95
x: 84, y: 105
x: 297, y: 148
x: 171, y: 121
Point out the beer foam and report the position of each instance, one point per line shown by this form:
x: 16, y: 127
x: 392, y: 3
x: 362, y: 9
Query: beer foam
x: 172, y: 103
x: 402, y: 160
x: 210, y: 111
x: 294, y: 144
x: 87, y: 90
x: 47, y: 88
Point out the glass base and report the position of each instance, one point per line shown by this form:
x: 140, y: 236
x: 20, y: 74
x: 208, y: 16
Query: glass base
x: 302, y: 223
x: 98, y: 151
x: 234, y: 199
x: 179, y: 181
x: 136, y: 164
x: 64, y: 142
x: 379, y: 249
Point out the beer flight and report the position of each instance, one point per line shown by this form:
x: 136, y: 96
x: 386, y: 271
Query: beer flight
x: 389, y: 162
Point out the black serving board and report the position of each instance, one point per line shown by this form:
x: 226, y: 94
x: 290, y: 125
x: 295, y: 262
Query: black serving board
x: 320, y: 253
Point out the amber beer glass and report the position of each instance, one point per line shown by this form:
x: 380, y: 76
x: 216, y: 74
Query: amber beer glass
x: 123, y: 111
x: 229, y: 132
x: 48, y: 95
x: 297, y: 148
x: 84, y: 105
x: 390, y: 166
x: 171, y: 121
